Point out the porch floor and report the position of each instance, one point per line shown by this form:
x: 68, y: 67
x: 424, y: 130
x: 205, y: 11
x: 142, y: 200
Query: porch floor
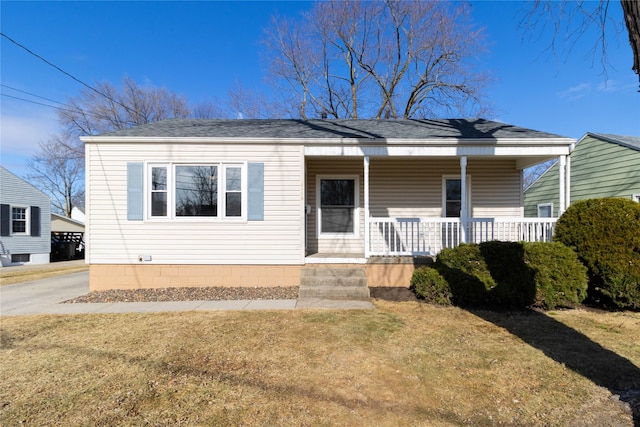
x: 359, y: 258
x: 335, y: 258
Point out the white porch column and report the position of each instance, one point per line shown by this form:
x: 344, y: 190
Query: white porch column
x: 567, y: 178
x: 366, y: 207
x: 463, y: 197
x: 562, y: 162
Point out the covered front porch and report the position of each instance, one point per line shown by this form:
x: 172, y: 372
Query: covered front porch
x: 360, y: 207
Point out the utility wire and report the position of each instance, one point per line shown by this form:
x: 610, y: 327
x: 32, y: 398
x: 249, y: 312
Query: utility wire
x: 68, y: 108
x: 32, y: 94
x: 63, y: 71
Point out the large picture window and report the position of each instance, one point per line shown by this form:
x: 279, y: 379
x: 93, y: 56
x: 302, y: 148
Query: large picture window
x: 216, y: 190
x: 338, y: 205
x: 196, y: 191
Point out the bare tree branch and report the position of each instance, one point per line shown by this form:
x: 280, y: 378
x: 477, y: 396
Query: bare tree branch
x: 379, y: 59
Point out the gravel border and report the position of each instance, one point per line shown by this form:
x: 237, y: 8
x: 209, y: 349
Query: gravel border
x: 187, y: 294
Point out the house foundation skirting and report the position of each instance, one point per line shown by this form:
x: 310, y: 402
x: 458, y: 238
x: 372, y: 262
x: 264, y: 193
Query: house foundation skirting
x: 380, y: 272
x: 122, y: 276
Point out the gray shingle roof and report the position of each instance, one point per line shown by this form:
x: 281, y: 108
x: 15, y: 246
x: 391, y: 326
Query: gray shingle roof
x: 632, y: 142
x: 319, y: 129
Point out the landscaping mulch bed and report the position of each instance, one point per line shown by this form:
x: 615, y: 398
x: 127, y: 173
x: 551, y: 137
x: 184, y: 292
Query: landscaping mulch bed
x: 188, y: 294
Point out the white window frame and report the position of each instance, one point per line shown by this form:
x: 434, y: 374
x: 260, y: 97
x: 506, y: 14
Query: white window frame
x: 444, y: 195
x: 27, y: 221
x: 149, y: 191
x: 636, y: 197
x: 356, y: 208
x: 171, y: 208
x: 541, y: 205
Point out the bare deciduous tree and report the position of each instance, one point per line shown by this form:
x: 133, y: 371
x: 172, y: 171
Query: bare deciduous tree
x: 108, y: 108
x: 58, y: 170
x: 399, y: 59
x: 571, y: 20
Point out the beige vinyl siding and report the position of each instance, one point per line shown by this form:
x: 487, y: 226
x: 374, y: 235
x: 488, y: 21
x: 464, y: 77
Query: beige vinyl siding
x: 598, y: 169
x: 333, y: 166
x: 113, y: 239
x: 412, y: 188
x: 496, y: 188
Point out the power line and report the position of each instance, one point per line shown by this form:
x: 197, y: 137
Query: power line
x: 63, y: 71
x: 68, y: 109
x: 32, y: 94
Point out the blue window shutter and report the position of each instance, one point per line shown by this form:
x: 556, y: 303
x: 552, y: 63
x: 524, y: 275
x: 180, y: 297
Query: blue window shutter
x: 255, y: 198
x: 35, y: 221
x: 5, y: 220
x: 135, y: 191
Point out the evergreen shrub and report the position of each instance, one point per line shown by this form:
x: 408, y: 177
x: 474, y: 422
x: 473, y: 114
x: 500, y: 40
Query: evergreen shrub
x: 605, y: 233
x: 559, y: 276
x: 464, y: 268
x: 430, y: 286
x: 513, y: 275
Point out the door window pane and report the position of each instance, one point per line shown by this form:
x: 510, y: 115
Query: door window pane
x: 337, y: 204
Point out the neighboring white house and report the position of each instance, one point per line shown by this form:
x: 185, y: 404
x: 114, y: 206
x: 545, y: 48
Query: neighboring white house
x: 248, y: 202
x: 25, y: 222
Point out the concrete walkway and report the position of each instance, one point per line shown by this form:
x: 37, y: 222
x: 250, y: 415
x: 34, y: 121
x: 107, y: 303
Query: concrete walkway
x: 45, y: 296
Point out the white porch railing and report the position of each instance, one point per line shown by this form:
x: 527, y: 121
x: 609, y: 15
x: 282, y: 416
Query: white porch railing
x: 428, y: 236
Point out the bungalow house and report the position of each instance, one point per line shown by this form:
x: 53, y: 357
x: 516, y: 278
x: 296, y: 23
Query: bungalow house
x: 259, y: 202
x: 24, y: 222
x: 602, y: 165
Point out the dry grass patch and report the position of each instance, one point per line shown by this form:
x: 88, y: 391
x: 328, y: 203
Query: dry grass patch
x: 403, y: 364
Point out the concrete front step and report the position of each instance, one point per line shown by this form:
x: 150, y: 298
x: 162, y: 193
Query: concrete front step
x: 333, y: 283
x: 334, y: 292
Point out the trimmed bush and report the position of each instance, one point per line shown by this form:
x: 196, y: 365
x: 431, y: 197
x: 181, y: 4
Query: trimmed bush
x: 605, y: 233
x: 464, y: 268
x: 430, y: 286
x: 559, y: 276
x: 513, y: 275
x: 515, y: 286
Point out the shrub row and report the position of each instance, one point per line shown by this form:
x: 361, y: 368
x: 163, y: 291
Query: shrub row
x: 505, y: 274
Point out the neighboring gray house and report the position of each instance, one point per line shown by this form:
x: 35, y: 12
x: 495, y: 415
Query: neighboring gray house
x: 602, y: 165
x: 263, y: 202
x: 25, y: 222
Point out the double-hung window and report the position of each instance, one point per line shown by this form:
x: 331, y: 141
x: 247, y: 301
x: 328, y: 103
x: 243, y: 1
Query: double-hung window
x: 19, y: 220
x: 188, y: 190
x: 452, y: 197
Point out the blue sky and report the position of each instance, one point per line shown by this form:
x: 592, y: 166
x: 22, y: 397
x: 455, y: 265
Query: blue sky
x: 200, y: 49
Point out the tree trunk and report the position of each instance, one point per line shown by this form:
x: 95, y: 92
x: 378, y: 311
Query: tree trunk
x: 631, y: 9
